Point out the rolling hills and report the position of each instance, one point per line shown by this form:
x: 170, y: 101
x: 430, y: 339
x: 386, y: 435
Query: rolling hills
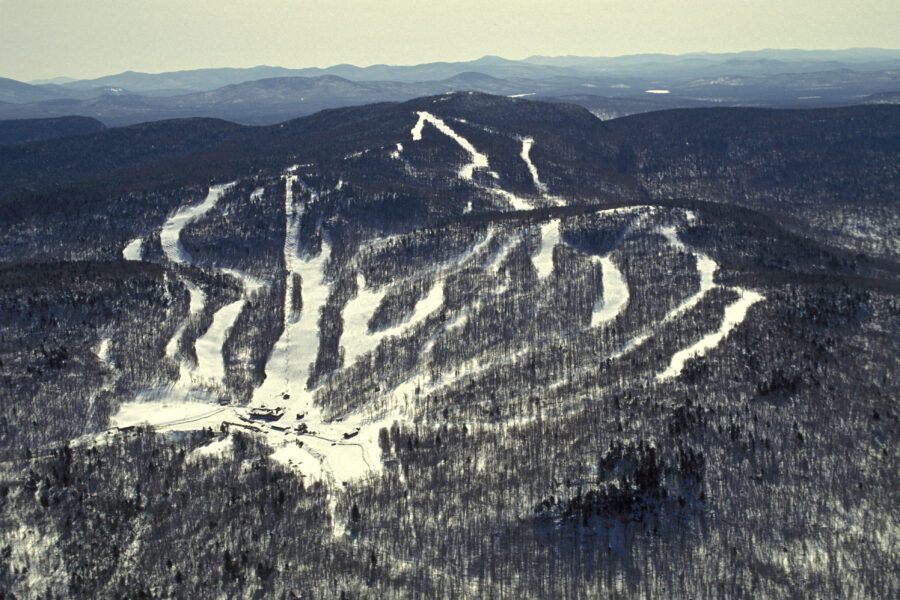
x: 458, y: 346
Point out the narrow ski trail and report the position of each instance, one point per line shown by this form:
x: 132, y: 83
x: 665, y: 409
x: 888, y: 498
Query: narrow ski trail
x: 735, y: 313
x: 615, y: 293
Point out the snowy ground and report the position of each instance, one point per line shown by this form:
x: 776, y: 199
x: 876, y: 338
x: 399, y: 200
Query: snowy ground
x: 550, y: 238
x: 166, y: 415
x: 615, y: 293
x: 102, y: 351
x: 170, y: 236
x: 134, y: 249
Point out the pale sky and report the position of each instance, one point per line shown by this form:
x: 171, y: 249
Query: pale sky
x: 89, y: 38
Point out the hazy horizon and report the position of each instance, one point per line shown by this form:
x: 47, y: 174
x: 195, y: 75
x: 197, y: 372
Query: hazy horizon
x: 476, y: 58
x: 46, y: 39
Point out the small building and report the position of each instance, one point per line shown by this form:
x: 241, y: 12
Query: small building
x: 266, y: 414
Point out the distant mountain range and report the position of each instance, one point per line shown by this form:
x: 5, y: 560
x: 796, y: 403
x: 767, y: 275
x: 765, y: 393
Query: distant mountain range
x: 610, y: 87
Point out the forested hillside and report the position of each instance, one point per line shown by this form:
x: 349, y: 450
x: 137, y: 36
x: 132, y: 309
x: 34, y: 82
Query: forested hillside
x: 463, y: 346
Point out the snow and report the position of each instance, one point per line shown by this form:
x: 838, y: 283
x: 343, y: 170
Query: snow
x: 516, y: 202
x: 527, y: 145
x: 287, y: 368
x: 706, y: 267
x: 215, y: 449
x: 521, y: 95
x: 478, y: 160
x: 170, y: 236
x: 396, y: 153
x: 210, y: 362
x: 249, y: 283
x: 499, y: 257
x: 356, y: 338
x: 134, y: 249
x: 543, y: 260
x: 166, y: 415
x: 197, y: 302
x: 661, y: 92
x: 735, y: 313
x: 615, y: 293
x: 31, y: 560
x: 102, y: 351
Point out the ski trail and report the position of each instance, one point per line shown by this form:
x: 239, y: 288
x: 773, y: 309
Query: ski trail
x: 323, y: 453
x: 358, y: 341
x: 210, y: 362
x: 615, y: 293
x: 735, y: 313
x: 550, y: 238
x: 196, y: 304
x: 134, y: 249
x: 170, y: 236
x: 478, y: 160
x: 288, y: 366
x: 496, y: 261
x: 706, y: 267
x: 359, y: 310
x: 527, y: 145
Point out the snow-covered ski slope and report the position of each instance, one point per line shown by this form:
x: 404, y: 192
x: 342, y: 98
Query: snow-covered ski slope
x: 203, y: 379
x: 170, y: 236
x: 615, y: 293
x: 479, y: 161
x: 495, y: 306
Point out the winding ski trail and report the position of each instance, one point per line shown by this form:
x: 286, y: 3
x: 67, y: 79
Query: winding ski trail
x: 735, y: 313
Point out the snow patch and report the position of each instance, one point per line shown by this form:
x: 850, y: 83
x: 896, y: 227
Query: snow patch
x: 102, y: 351
x: 134, y: 249
x: 216, y: 449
